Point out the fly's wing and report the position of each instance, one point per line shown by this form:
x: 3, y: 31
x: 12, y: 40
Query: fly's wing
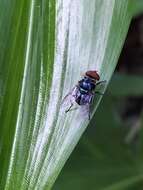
x: 69, y: 99
x: 84, y: 111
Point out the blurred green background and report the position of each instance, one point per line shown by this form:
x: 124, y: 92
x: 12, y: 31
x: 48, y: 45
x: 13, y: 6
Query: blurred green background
x: 109, y: 155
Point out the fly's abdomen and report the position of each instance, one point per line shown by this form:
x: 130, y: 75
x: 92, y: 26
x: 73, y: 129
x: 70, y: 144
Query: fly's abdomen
x: 83, y: 98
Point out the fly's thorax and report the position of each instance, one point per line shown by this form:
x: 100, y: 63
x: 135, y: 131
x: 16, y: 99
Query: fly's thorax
x: 87, y: 84
x: 83, y: 91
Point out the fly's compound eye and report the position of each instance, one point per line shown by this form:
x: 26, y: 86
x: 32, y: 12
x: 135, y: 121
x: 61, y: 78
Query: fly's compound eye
x: 93, y: 74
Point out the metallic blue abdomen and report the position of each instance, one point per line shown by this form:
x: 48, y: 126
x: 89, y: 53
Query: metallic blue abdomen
x: 83, y: 99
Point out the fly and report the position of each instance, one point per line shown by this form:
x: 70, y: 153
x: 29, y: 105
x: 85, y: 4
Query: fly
x: 84, y: 92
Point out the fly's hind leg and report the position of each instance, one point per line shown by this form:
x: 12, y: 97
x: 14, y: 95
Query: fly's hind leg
x: 89, y: 111
x: 72, y: 109
x: 89, y: 115
x: 89, y: 107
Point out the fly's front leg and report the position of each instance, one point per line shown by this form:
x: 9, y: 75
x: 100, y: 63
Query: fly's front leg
x: 100, y: 82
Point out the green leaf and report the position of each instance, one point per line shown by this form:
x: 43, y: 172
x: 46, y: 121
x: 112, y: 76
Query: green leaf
x: 45, y: 45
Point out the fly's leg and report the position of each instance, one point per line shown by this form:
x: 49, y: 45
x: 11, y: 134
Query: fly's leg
x: 99, y: 93
x: 89, y: 111
x: 69, y: 109
x: 73, y: 109
x: 89, y: 106
x: 100, y: 82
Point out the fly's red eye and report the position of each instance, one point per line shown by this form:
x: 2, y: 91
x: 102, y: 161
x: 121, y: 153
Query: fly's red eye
x: 93, y: 74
